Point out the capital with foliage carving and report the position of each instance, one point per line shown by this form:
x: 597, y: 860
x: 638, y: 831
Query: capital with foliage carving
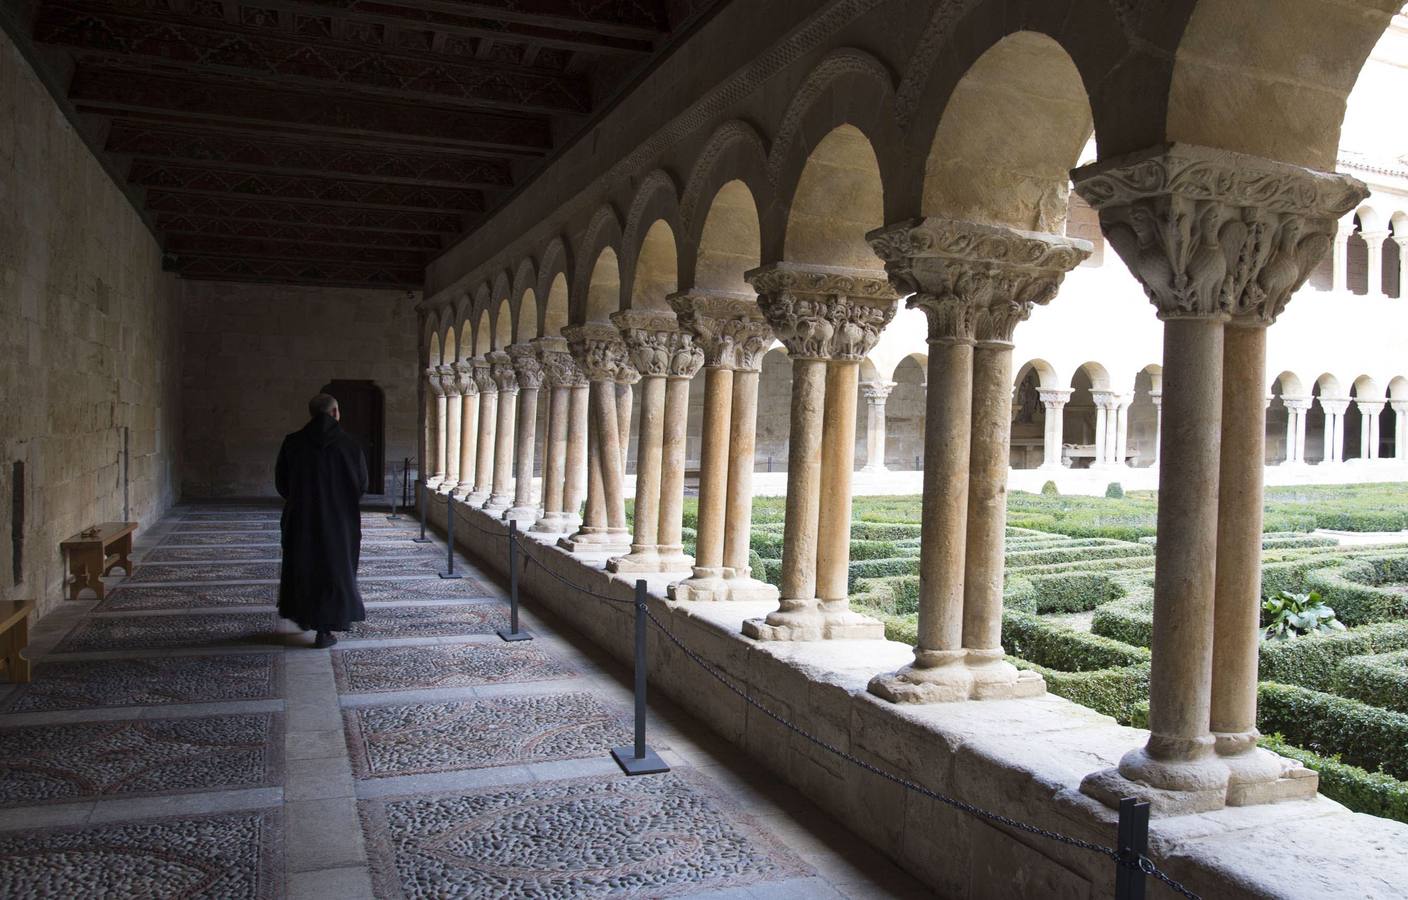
x: 448, y: 386
x: 501, y: 367
x: 1210, y: 233
x: 464, y: 379
x: 526, y: 366
x: 650, y: 339
x: 432, y: 380
x: 599, y: 350
x: 559, y: 368
x: 975, y: 282
x: 484, y: 376
x: 823, y: 312
x: 728, y: 327
x: 876, y: 391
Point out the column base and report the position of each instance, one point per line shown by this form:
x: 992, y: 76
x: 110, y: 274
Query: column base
x: 744, y: 587
x: 462, y: 490
x: 994, y: 678
x: 476, y: 498
x: 523, y: 515
x: 498, y: 503
x: 706, y: 585
x: 550, y: 523
x: 814, y: 624
x: 1257, y: 776
x: 640, y: 559
x: 1109, y: 787
x: 446, y: 487
x: 935, y: 676
x: 673, y: 559
x: 434, y: 481
x: 595, y: 540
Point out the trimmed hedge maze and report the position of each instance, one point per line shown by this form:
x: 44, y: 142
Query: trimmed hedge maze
x: 1079, y: 610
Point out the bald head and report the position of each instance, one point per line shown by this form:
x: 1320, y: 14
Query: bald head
x: 323, y: 405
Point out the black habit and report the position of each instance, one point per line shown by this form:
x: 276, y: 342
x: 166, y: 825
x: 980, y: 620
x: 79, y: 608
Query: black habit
x: 321, y: 474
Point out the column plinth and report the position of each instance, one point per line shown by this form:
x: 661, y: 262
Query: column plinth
x: 488, y: 428
x: 829, y: 319
x: 1214, y: 238
x: 501, y: 492
x: 975, y: 283
x: 528, y: 370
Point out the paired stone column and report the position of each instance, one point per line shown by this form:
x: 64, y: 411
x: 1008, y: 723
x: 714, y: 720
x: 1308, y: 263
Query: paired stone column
x: 1104, y: 427
x: 501, y: 496
x: 1374, y: 241
x: 561, y: 375
x: 1219, y: 242
x: 469, y: 428
x: 1121, y: 454
x: 454, y: 400
x: 1334, y: 409
x: 528, y: 372
x: 876, y: 393
x: 488, y: 430
x: 601, y: 355
x: 435, y: 428
x: 1400, y: 425
x: 975, y: 283
x: 829, y: 319
x: 730, y: 331
x: 1340, y: 262
x: 1054, y: 400
x: 1369, y: 412
x: 1296, y: 409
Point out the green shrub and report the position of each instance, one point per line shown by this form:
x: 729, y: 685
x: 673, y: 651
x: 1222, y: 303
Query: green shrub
x: 1073, y: 591
x: 1366, y: 792
x: 1056, y: 647
x: 1130, y: 620
x: 1311, y: 661
x: 1360, y: 734
x: 1379, y: 679
x: 1114, y: 491
x: 1286, y: 616
x: 1115, y: 692
x: 1049, y: 489
x: 1352, y: 590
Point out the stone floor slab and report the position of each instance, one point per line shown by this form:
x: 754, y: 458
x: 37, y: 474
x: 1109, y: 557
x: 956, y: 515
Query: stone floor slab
x: 362, y: 671
x: 411, y: 590
x: 88, y: 684
x: 430, y: 621
x: 63, y: 763
x: 126, y: 598
x: 193, y: 573
x: 148, y: 632
x: 226, y: 857
x: 655, y: 836
x: 420, y: 738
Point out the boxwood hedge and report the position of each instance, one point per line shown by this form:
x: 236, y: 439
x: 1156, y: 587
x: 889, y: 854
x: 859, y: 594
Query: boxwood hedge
x: 1358, y: 733
x: 1380, y: 679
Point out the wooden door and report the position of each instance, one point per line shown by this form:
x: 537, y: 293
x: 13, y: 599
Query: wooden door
x: 362, y: 404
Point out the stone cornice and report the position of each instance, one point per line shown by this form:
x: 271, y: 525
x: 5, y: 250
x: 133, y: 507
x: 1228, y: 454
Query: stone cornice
x: 823, y: 312
x: 974, y: 281
x: 599, y: 350
x: 526, y: 366
x: 729, y: 327
x: 1211, y: 233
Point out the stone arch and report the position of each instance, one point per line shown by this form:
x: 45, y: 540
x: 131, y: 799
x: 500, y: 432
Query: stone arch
x: 601, y: 238
x: 1079, y: 418
x: 838, y: 199
x: 849, y: 92
x: 555, y: 306
x: 655, y: 272
x: 656, y: 201
x: 733, y: 153
x: 554, y: 264
x: 729, y: 241
x: 868, y: 371
x: 1328, y: 385
x: 1042, y: 371
x: 1289, y: 384
x: 1142, y: 434
x: 905, y: 413
x: 433, y: 350
x: 483, y: 333
x: 1012, y: 129
x: 1398, y: 388
x: 449, y: 350
x: 774, y: 410
x: 602, y: 293
x: 525, y: 281
x: 503, y: 323
x: 1271, y: 84
x: 1278, y: 415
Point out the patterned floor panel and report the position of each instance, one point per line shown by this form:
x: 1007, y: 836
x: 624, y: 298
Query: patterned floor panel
x: 160, y: 632
x: 424, y: 589
x: 235, y: 856
x: 192, y: 574
x: 417, y: 738
x: 137, y: 599
x: 57, y: 763
x: 445, y: 666
x: 271, y: 551
x: 430, y: 621
x: 93, y: 684
x: 657, y: 836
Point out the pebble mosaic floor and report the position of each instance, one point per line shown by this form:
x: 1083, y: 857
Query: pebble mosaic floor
x: 179, y: 739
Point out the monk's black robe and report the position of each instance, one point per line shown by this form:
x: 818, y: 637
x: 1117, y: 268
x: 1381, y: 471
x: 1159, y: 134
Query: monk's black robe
x: 321, y: 474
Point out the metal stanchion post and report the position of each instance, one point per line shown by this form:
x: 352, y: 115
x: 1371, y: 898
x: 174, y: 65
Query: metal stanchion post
x: 513, y: 633
x: 421, y: 502
x: 639, y: 759
x: 1132, y: 841
x: 394, y: 515
x: 449, y: 572
x: 405, y: 479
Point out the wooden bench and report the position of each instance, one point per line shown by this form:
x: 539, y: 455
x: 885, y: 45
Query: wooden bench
x: 91, y: 556
x: 14, y: 638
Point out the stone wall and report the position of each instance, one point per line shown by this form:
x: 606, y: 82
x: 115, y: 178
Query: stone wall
x: 255, y: 354
x: 88, y: 352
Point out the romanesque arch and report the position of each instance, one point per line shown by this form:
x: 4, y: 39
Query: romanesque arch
x: 729, y: 174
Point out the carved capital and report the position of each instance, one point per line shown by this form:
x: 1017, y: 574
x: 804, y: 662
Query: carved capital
x: 527, y: 368
x: 559, y: 368
x: 1211, y: 233
x: 974, y: 282
x: 728, y: 327
x: 821, y: 312
x: 484, y: 376
x: 876, y: 391
x: 1054, y: 398
x: 1370, y: 406
x: 1334, y: 406
x: 599, y: 350
x: 501, y: 368
x: 464, y: 379
x: 448, y: 383
x: 432, y: 380
x: 650, y: 339
x: 1400, y: 407
x: 1298, y: 404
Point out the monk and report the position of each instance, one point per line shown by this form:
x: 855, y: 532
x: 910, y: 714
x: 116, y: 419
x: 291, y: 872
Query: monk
x: 322, y: 475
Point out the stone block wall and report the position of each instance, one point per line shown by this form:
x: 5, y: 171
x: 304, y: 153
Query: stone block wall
x: 88, y: 353
x: 254, y: 355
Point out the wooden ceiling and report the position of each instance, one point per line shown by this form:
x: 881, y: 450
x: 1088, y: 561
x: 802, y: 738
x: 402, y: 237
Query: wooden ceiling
x: 334, y: 142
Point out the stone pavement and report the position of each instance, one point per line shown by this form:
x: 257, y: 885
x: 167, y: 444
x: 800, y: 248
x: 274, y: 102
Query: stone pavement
x: 179, y: 739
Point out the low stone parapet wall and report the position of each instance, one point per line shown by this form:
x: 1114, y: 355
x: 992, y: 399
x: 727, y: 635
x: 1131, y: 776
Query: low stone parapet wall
x: 1023, y: 759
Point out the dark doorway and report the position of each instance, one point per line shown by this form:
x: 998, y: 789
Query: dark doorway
x: 363, y: 407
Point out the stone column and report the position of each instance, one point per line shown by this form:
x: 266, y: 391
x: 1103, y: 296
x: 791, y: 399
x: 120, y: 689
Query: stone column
x: 560, y: 374
x: 876, y: 393
x: 1400, y: 425
x: 648, y: 337
x: 1296, y: 408
x: 1402, y: 243
x: 1054, y: 400
x: 469, y: 427
x: 528, y: 371
x: 488, y: 430
x: 1374, y: 240
x: 574, y: 479
x: 1334, y: 409
x: 435, y: 410
x: 685, y: 360
x: 1370, y: 410
x: 975, y: 283
x: 1213, y: 237
x: 501, y: 496
x: 1343, y: 232
x: 601, y: 354
x: 1157, y: 398
x: 454, y: 400
x: 1122, y: 403
x: 729, y: 328
x: 1103, y: 404
x: 821, y: 314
